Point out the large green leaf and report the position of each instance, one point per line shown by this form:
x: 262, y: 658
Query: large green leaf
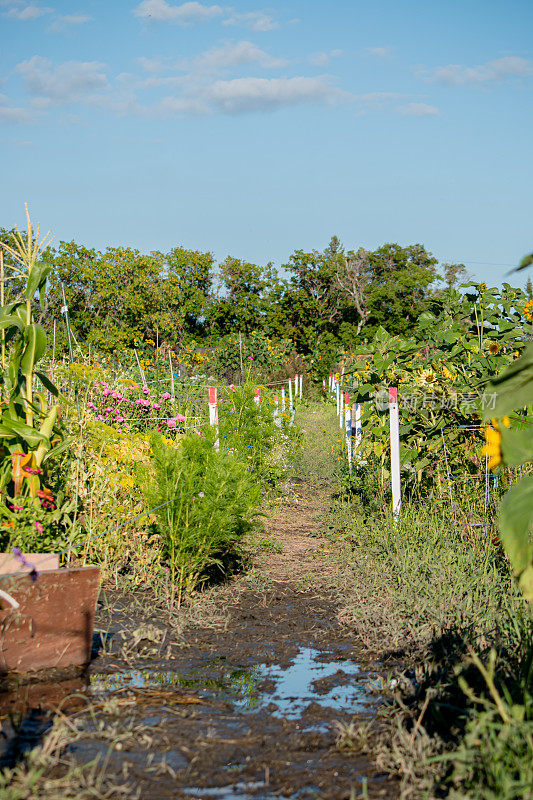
x: 47, y: 383
x: 11, y: 321
x: 516, y: 521
x: 37, y: 279
x: 35, y: 348
x: 10, y: 428
x: 513, y: 389
x: 517, y: 445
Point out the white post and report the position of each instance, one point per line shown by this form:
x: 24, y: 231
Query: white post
x: 172, y: 396
x: 295, y: 388
x: 257, y: 399
x: 394, y: 421
x: 341, y: 409
x: 358, y: 434
x: 213, y: 414
x: 338, y: 391
x: 348, y: 426
x: 324, y: 384
x: 277, y: 419
x: 283, y: 399
x: 301, y: 383
x: 290, y: 395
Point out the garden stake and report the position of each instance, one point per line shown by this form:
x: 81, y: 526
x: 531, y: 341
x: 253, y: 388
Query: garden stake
x: 213, y: 414
x: 301, y: 384
x: 290, y: 396
x: 64, y: 310
x: 277, y: 420
x: 171, y: 378
x: 257, y: 398
x: 348, y: 426
x: 358, y: 433
x: 394, y: 422
x: 283, y: 398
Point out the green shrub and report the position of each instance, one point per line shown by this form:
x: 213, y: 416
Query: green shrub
x: 205, y: 502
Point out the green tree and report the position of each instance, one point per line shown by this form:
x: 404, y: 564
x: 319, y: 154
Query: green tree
x: 400, y: 279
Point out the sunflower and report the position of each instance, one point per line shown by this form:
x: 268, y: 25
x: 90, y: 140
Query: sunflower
x: 494, y: 347
x: 426, y: 378
x: 493, y: 448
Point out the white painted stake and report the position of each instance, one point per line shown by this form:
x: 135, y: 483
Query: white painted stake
x: 324, y: 384
x: 301, y: 384
x: 338, y: 391
x: 290, y: 396
x: 283, y: 399
x: 277, y: 420
x: 213, y: 414
x: 348, y: 426
x: 257, y: 398
x: 358, y: 433
x: 394, y: 420
x: 341, y: 409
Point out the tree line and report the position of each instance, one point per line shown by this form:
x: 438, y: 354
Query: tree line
x: 119, y: 297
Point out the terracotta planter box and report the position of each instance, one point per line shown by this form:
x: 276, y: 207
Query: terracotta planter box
x: 53, y: 624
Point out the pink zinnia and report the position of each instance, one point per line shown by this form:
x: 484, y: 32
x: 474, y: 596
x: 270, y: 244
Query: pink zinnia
x: 166, y: 396
x: 231, y: 387
x: 39, y: 526
x: 146, y: 390
x: 156, y: 406
x: 180, y: 418
x: 171, y: 422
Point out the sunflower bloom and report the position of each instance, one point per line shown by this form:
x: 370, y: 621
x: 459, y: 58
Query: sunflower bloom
x: 494, y: 348
x: 493, y: 447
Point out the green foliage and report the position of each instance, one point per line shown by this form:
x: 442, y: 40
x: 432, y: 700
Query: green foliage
x: 514, y: 392
x: 214, y: 501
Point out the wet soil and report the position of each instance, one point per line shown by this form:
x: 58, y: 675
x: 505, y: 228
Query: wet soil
x: 260, y: 696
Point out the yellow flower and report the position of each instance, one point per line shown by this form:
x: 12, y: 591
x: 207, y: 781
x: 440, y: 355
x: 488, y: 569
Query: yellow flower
x: 506, y: 421
x: 528, y: 310
x: 493, y: 447
x: 426, y: 378
x: 494, y: 348
x: 482, y: 287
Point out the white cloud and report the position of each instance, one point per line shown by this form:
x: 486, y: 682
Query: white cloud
x: 266, y: 94
x: 24, y: 12
x: 185, y: 14
x: 419, y: 110
x: 379, y: 52
x: 233, y: 55
x: 12, y: 114
x: 154, y: 66
x: 257, y: 21
x: 322, y: 58
x: 65, y: 83
x: 497, y: 70
x: 66, y: 21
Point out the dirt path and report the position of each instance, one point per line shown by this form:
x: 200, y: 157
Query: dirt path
x: 261, y: 694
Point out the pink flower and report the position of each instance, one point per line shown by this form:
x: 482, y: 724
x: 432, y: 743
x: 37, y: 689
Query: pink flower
x: 156, y: 406
x: 116, y: 396
x: 166, y: 396
x: 39, y: 526
x: 146, y: 390
x: 180, y: 418
x: 171, y: 422
x: 231, y: 387
x: 250, y: 358
x: 106, y: 392
x: 201, y: 494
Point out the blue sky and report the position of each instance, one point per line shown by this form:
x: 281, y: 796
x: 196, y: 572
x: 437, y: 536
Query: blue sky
x: 254, y: 130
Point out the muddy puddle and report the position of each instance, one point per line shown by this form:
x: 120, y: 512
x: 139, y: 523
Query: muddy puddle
x: 286, y: 690
x: 252, y: 709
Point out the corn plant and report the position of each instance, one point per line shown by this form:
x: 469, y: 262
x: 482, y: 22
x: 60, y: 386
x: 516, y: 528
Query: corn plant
x: 28, y: 424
